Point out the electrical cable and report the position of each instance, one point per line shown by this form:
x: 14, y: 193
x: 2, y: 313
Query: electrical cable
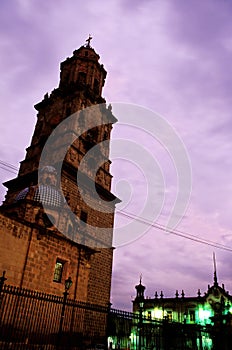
x: 175, y: 232
x: 8, y: 167
x: 10, y: 171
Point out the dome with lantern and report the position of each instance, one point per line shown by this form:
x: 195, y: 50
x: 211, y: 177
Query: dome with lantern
x: 46, y: 192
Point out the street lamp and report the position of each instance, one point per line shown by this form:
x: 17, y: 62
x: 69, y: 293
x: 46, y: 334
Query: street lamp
x: 141, y: 303
x: 67, y: 284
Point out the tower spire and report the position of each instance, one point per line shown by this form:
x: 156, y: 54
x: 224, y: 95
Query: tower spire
x: 140, y: 290
x: 215, y: 270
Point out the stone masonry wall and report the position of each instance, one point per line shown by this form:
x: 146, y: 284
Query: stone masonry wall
x: 35, y: 269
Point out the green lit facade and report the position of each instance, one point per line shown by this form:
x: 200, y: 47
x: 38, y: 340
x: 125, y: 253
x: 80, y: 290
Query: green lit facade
x: 190, y: 310
x: 203, y: 321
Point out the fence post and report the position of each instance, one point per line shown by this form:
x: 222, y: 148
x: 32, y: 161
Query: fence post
x: 2, y: 280
x: 108, y: 324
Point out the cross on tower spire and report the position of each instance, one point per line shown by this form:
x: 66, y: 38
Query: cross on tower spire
x: 88, y: 41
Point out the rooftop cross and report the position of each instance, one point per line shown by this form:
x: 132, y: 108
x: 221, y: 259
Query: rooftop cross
x: 88, y: 41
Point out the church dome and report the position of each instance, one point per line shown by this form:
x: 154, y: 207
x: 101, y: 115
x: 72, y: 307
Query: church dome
x: 47, y: 195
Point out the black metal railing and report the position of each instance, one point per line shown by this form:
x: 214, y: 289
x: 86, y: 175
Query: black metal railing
x: 29, y: 318
x: 36, y: 320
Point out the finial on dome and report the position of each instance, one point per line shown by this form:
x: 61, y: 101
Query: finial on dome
x: 48, y: 176
x: 88, y: 41
x: 140, y: 290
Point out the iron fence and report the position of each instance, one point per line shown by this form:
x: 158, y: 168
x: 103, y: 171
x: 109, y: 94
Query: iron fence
x: 31, y: 320
x: 129, y: 331
x: 36, y: 320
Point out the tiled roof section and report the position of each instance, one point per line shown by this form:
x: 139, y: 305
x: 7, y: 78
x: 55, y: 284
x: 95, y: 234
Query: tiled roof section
x: 22, y: 194
x: 48, y: 195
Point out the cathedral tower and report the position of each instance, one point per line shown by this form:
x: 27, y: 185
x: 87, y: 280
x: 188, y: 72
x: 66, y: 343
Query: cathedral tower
x: 60, y: 233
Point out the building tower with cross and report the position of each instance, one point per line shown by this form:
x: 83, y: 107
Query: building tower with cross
x: 51, y: 226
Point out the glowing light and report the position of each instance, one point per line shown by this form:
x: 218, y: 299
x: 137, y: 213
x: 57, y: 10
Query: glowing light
x: 204, y: 315
x: 157, y: 313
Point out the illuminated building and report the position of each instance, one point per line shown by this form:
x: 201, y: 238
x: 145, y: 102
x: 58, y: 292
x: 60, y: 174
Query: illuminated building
x: 211, y: 312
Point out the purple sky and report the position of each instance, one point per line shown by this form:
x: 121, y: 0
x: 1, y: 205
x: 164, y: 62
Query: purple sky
x: 173, y: 57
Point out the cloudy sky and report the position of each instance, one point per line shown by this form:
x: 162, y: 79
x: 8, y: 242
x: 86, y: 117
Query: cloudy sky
x: 171, y: 57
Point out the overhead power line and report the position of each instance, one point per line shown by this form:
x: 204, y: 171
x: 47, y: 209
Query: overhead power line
x: 176, y: 232
x: 10, y: 171
x: 8, y: 167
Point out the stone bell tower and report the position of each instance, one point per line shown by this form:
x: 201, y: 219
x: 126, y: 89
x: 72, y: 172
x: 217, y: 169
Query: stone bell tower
x: 54, y: 209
